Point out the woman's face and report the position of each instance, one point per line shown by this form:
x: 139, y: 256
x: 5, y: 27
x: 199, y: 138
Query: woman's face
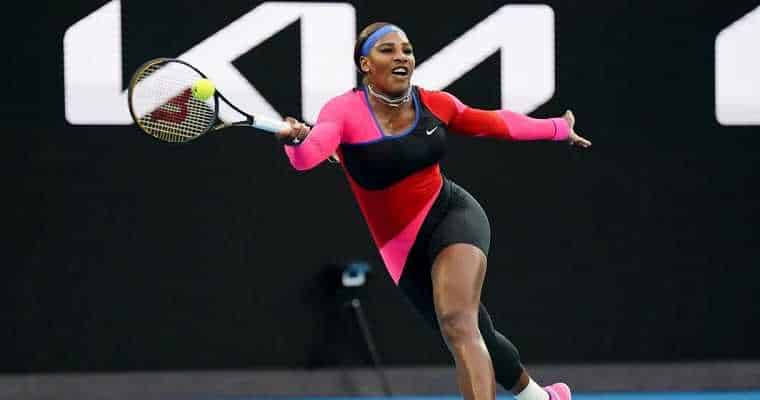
x: 390, y: 63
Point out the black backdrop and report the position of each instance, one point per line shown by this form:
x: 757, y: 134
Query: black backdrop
x: 128, y: 254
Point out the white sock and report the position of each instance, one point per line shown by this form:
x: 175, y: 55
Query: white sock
x: 532, y: 392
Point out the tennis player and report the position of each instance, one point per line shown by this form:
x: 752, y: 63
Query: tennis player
x: 433, y: 236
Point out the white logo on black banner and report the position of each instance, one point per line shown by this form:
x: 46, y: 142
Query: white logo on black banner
x: 92, y: 58
x: 737, y: 72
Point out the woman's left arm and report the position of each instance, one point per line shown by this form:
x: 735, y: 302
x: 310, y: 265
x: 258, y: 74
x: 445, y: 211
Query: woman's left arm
x: 502, y: 124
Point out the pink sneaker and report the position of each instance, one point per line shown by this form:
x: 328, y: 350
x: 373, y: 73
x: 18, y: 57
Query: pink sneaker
x: 558, y: 391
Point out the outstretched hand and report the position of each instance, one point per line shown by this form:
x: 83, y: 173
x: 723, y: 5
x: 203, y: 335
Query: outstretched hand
x: 574, y: 139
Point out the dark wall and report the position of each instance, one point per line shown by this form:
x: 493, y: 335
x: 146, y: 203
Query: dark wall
x: 125, y: 253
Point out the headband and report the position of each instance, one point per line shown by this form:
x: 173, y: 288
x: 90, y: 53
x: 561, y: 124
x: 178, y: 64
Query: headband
x: 375, y: 36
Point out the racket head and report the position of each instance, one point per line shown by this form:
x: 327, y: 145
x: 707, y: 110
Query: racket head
x: 162, y: 104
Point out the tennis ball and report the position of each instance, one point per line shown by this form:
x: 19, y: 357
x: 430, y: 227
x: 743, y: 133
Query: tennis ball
x: 203, y: 89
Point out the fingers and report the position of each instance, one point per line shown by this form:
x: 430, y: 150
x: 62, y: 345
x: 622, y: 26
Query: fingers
x: 579, y: 141
x: 301, y: 132
x: 297, y: 130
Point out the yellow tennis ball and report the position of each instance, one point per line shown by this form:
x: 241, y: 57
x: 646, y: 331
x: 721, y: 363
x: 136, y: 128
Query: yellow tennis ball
x: 203, y: 89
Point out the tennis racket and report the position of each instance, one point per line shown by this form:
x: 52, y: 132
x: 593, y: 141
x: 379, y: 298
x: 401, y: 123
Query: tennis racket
x: 162, y: 104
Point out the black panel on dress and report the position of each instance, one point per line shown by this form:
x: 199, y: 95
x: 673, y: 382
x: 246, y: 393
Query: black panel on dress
x: 378, y: 164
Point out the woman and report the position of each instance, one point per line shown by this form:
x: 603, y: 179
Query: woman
x: 432, y: 235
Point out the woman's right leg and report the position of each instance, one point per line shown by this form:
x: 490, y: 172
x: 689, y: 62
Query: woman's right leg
x: 459, y: 219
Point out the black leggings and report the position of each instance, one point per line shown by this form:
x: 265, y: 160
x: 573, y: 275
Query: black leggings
x: 456, y: 217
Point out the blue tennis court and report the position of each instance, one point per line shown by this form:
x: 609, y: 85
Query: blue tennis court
x: 739, y: 395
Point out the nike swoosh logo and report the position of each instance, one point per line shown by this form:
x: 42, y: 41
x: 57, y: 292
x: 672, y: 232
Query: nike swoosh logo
x: 430, y: 131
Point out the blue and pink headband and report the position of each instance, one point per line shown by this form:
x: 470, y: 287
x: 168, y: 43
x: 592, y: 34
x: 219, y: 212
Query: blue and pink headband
x: 376, y: 35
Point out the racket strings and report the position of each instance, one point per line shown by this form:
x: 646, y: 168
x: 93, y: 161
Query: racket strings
x: 164, y: 106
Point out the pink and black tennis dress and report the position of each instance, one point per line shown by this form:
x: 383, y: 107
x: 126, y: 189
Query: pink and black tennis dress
x: 412, y: 210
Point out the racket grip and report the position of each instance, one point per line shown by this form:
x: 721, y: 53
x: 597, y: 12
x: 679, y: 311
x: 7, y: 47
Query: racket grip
x: 269, y: 124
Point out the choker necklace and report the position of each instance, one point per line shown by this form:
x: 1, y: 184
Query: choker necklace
x: 392, y: 101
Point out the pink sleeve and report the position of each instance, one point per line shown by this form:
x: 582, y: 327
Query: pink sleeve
x: 322, y: 140
x: 522, y: 127
x: 503, y: 124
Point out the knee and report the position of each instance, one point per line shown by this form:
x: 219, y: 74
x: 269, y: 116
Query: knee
x: 459, y: 327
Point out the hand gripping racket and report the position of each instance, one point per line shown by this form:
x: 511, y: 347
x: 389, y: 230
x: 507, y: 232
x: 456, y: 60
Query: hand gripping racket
x: 162, y: 104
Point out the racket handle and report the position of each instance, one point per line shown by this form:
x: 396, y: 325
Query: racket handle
x: 269, y: 124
